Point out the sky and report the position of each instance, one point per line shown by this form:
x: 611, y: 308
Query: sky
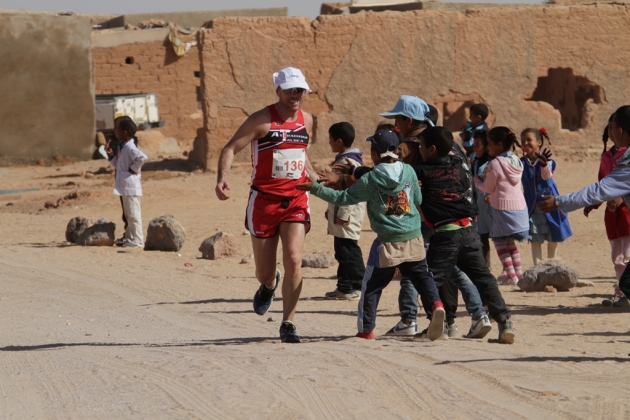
x: 296, y: 7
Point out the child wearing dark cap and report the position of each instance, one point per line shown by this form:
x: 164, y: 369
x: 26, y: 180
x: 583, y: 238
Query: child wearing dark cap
x: 392, y: 194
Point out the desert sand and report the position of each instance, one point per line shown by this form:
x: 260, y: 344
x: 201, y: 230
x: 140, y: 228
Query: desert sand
x: 105, y: 332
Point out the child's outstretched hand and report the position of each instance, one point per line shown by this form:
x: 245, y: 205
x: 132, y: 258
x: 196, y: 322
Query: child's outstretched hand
x: 547, y: 204
x: 342, y: 168
x: 329, y: 179
x: 613, y: 205
x: 544, y: 156
x: 304, y: 187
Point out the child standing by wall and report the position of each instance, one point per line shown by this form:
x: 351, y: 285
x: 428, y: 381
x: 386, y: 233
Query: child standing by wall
x: 477, y: 115
x: 345, y: 222
x: 509, y: 209
x: 128, y: 161
x: 616, y: 215
x: 537, y: 181
x: 392, y: 194
x: 484, y: 217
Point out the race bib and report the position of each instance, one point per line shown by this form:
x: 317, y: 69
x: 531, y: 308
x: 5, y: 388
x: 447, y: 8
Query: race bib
x: 288, y: 163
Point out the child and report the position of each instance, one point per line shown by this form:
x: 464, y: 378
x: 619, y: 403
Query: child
x: 392, y: 195
x: 128, y: 160
x: 477, y: 115
x: 616, y: 215
x: 615, y: 184
x: 537, y: 181
x: 345, y: 222
x: 509, y: 209
x: 120, y: 241
x: 484, y: 217
x: 449, y: 209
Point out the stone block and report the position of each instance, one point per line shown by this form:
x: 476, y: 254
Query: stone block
x: 99, y: 234
x: 552, y: 273
x: 220, y: 245
x: 319, y: 259
x: 165, y: 233
x: 75, y: 228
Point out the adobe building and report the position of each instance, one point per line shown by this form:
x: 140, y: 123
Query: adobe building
x: 46, y: 83
x: 559, y: 67
x: 144, y: 61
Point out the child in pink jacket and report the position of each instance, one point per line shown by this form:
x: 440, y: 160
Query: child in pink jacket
x: 509, y: 209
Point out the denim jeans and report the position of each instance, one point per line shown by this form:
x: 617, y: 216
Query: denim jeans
x: 470, y: 294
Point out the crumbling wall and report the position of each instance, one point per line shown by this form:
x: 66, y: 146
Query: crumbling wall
x: 143, y: 62
x: 359, y: 64
x: 47, y: 106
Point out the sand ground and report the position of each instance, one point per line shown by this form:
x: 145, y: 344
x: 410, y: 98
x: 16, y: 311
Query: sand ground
x: 94, y: 332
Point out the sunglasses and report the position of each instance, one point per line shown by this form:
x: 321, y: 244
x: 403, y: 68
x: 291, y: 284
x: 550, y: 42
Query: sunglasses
x: 294, y: 90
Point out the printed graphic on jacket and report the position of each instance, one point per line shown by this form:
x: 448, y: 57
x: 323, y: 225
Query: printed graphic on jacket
x: 399, y: 205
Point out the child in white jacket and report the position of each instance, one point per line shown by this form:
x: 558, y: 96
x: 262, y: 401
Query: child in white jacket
x: 128, y: 160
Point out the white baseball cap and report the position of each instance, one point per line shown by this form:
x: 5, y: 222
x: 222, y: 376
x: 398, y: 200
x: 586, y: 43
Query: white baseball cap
x: 290, y: 78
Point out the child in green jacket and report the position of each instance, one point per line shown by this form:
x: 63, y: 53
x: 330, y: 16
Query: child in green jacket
x: 393, y: 196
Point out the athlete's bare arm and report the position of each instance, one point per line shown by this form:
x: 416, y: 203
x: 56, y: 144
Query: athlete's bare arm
x: 310, y: 171
x: 256, y: 126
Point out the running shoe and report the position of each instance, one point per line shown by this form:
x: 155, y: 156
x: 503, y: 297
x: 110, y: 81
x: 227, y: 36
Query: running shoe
x: 403, y: 329
x: 264, y: 296
x: 288, y: 333
x: 622, y: 303
x: 479, y: 327
x: 506, y: 333
x: 366, y: 335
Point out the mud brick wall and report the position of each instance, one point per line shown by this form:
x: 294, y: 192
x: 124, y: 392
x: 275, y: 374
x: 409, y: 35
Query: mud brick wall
x: 561, y: 67
x: 143, y: 67
x: 47, y: 106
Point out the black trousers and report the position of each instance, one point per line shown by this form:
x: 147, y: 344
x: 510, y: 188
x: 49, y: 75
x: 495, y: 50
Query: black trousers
x: 351, y: 267
x: 463, y: 248
x: 378, y: 278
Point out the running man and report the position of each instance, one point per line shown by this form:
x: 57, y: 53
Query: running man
x: 279, y: 136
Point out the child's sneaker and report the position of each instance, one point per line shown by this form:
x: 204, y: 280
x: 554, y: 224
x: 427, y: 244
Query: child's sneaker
x: 402, y: 328
x: 506, y: 333
x: 366, y: 335
x: 264, y: 297
x: 337, y: 294
x: 288, y: 333
x: 451, y: 330
x: 436, y: 327
x: 479, y: 327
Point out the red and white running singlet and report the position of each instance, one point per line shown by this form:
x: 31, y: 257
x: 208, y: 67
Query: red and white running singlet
x: 279, y: 158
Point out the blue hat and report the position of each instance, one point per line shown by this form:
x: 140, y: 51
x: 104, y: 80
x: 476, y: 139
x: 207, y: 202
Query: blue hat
x: 386, y: 142
x: 412, y: 107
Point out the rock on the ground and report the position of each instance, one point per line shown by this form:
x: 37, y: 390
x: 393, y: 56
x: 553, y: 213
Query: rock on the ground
x: 220, y: 245
x: 318, y: 259
x: 165, y: 233
x: 549, y: 273
x: 75, y: 227
x: 247, y: 258
x: 99, y: 234
x: 584, y: 283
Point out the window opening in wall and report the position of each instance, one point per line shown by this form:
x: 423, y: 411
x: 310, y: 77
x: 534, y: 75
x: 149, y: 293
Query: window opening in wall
x: 569, y: 94
x: 129, y: 60
x: 198, y: 74
x: 453, y: 109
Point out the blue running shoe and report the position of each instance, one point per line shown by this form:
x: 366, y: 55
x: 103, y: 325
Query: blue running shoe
x: 264, y: 296
x: 288, y: 333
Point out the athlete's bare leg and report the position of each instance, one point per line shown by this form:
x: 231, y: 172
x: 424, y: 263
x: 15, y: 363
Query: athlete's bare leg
x: 292, y: 236
x: 265, y: 250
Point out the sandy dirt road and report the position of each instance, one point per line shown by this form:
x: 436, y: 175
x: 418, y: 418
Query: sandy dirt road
x: 110, y: 333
